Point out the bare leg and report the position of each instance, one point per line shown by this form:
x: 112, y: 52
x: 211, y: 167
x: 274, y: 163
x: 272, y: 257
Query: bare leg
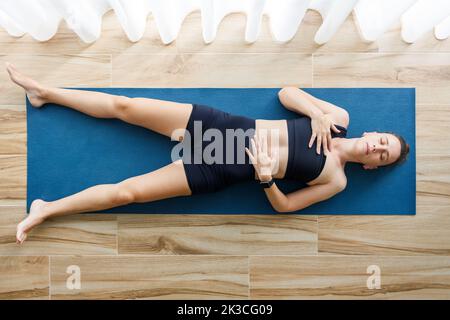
x: 158, y: 115
x: 166, y: 182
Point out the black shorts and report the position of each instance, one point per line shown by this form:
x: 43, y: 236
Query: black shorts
x: 211, y: 173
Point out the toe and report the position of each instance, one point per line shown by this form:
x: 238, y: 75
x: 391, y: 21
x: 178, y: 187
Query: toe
x: 21, y: 237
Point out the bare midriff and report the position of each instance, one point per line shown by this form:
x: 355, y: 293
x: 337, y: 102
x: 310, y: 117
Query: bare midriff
x: 276, y: 130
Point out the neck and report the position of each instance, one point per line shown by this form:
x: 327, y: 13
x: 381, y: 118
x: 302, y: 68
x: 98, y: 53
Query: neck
x: 344, y: 149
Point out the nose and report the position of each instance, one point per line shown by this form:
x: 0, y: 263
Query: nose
x: 378, y: 147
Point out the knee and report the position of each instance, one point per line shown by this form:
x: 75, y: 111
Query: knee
x: 121, y: 105
x: 124, y: 195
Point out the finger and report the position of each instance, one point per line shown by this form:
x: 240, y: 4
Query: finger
x: 274, y: 153
x: 274, y: 158
x: 254, y: 150
x: 311, y: 141
x: 325, y: 145
x: 335, y: 129
x: 319, y: 144
x: 264, y: 143
x: 258, y: 144
x: 252, y: 159
x: 329, y: 141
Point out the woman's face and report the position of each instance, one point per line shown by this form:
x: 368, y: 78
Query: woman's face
x: 376, y: 149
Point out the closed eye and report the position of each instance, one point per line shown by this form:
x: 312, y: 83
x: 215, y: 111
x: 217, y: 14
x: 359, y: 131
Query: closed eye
x: 381, y: 154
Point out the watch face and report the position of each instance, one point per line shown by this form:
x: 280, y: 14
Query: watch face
x: 267, y: 184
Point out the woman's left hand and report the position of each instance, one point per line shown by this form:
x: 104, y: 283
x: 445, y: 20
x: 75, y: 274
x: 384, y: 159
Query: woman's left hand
x: 321, y: 127
x: 262, y: 161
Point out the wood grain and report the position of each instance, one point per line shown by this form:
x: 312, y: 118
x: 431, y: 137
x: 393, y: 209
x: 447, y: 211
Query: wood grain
x: 157, y: 277
x: 340, y: 277
x: 206, y: 257
x: 13, y: 176
x: 230, y: 37
x: 24, y: 278
x: 429, y: 73
x: 86, y: 234
x: 391, y: 41
x: 13, y: 131
x: 65, y: 41
x: 424, y: 234
x: 78, y: 70
x: 212, y: 70
x: 217, y: 234
x: 431, y: 130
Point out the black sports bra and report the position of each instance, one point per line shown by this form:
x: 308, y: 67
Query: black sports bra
x: 303, y: 162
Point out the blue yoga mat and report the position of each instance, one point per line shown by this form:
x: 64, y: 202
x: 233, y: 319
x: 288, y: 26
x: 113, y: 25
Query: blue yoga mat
x: 69, y: 151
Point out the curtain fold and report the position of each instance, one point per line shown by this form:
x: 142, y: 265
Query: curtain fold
x: 41, y: 18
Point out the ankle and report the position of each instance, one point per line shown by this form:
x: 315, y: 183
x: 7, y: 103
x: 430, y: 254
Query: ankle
x: 43, y: 212
x: 43, y: 93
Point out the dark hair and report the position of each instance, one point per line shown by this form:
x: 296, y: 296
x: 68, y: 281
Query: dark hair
x: 404, y: 149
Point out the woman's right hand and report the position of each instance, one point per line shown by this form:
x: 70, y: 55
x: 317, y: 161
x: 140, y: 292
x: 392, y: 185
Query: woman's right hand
x: 263, y: 161
x: 321, y: 126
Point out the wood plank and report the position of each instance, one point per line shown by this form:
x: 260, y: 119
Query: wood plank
x: 13, y: 131
x: 13, y: 176
x: 433, y: 176
x: 345, y: 277
x: 13, y: 202
x: 391, y: 41
x: 86, y: 234
x: 112, y: 40
x: 152, y: 277
x: 212, y: 70
x: 24, y: 278
x: 230, y: 37
x: 217, y: 234
x: 431, y: 129
x: 79, y: 70
x: 429, y: 73
x: 424, y: 234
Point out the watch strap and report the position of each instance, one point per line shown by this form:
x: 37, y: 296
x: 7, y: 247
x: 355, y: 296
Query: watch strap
x: 266, y: 184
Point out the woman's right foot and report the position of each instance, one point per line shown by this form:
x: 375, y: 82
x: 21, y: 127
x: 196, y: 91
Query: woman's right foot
x: 34, y: 218
x: 34, y: 91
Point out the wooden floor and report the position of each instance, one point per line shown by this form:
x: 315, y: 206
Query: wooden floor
x: 231, y: 257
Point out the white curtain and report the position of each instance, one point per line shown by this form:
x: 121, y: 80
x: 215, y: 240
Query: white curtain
x: 40, y: 18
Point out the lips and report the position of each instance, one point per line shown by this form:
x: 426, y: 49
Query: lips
x: 367, y: 148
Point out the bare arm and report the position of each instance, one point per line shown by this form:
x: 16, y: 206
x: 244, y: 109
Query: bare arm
x: 302, y: 198
x: 297, y: 100
x: 263, y: 164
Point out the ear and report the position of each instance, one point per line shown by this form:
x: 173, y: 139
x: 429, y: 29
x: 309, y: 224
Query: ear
x: 367, y: 167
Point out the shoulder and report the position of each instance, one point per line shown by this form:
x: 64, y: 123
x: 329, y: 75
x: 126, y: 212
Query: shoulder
x: 338, y: 182
x: 341, y: 117
x: 336, y: 178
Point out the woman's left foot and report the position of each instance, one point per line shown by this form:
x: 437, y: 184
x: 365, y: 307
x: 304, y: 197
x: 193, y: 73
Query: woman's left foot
x: 34, y: 91
x: 35, y: 217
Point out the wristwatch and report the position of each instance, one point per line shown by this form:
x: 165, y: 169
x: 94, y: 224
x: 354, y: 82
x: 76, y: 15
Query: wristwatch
x: 266, y: 184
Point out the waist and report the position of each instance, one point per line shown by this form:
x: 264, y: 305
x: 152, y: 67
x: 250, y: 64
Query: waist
x: 277, y: 134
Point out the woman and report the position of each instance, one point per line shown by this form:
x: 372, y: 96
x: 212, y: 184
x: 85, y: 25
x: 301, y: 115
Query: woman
x: 312, y: 148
